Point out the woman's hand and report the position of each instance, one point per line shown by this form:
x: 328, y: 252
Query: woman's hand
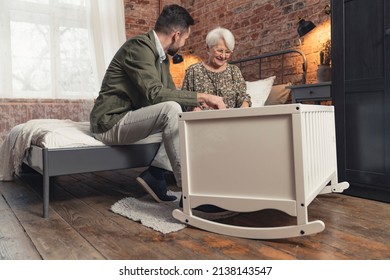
x: 245, y: 104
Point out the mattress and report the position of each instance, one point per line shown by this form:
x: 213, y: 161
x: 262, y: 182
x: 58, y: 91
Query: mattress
x: 47, y: 133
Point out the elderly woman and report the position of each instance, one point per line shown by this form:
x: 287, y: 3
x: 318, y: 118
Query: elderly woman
x: 215, y: 75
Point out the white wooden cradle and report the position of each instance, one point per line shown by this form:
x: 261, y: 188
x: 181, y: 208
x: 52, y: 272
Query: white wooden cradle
x: 243, y: 160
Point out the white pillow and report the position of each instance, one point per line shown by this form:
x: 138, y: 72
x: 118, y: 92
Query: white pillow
x: 259, y: 90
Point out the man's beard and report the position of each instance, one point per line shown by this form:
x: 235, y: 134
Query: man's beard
x: 172, y: 51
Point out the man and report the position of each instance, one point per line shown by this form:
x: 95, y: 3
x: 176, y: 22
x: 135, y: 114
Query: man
x: 138, y: 97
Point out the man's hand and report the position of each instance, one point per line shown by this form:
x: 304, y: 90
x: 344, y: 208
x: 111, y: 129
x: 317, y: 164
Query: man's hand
x: 212, y: 101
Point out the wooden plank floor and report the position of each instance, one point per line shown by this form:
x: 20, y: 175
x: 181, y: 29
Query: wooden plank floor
x: 81, y: 226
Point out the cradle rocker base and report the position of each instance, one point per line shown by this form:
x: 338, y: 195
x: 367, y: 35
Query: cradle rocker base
x: 288, y: 231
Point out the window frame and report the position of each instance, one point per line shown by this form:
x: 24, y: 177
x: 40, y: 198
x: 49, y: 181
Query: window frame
x: 56, y: 19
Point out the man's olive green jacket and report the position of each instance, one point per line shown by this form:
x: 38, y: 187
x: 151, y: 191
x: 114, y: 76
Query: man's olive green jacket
x: 135, y: 78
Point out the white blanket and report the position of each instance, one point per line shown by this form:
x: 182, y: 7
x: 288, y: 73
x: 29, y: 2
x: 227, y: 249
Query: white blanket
x: 49, y: 133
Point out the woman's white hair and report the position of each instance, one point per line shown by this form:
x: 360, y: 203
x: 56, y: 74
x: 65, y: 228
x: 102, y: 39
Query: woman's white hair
x: 218, y: 33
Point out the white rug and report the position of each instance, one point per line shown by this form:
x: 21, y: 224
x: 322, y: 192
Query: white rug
x: 157, y: 216
x: 146, y: 210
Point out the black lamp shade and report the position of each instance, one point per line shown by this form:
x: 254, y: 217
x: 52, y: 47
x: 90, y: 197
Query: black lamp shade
x: 177, y: 58
x: 305, y: 27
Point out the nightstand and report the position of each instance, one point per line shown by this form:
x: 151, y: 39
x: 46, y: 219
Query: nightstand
x: 311, y: 92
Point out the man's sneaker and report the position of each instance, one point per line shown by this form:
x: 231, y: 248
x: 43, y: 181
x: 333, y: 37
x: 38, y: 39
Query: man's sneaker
x: 153, y: 181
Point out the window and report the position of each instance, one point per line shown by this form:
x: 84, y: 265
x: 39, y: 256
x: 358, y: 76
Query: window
x: 46, y: 50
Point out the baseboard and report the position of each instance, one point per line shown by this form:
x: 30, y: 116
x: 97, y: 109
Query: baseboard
x: 369, y: 192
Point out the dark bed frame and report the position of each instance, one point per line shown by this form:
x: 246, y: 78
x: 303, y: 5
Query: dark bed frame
x: 66, y: 161
x: 260, y: 66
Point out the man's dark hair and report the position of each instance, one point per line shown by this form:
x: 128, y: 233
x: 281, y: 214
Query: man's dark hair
x: 172, y: 18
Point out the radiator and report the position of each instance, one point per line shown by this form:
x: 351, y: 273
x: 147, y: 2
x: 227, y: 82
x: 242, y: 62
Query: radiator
x: 244, y: 160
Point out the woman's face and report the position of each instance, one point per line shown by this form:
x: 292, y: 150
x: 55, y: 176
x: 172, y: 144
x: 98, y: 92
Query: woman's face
x: 219, y: 54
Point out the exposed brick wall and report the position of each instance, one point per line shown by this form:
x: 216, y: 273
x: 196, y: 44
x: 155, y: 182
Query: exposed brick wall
x: 312, y: 45
x: 259, y: 26
x: 17, y: 111
x: 141, y: 15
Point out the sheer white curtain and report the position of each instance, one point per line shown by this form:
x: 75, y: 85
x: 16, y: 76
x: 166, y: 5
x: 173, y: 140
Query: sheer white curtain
x: 57, y: 48
x: 107, y: 21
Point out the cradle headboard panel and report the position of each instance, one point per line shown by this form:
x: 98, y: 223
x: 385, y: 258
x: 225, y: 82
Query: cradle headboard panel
x: 287, y: 65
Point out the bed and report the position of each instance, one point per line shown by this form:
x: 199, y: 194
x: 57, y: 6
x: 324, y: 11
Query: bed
x: 287, y: 65
x: 63, y: 147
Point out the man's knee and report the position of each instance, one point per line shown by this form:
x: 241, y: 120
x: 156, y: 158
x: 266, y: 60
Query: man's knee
x: 173, y: 107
